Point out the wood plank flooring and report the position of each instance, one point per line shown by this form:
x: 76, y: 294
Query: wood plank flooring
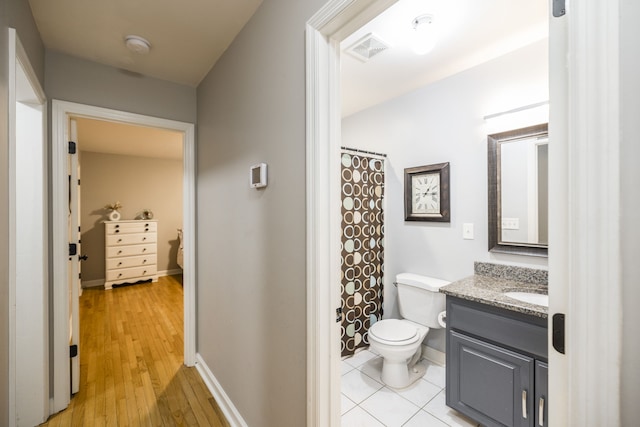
x: 131, y: 362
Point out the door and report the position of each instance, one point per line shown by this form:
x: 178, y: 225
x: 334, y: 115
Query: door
x: 73, y: 227
x: 489, y: 383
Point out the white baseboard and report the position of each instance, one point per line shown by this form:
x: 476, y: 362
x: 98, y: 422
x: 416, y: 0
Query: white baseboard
x: 433, y: 355
x: 226, y: 405
x: 100, y: 282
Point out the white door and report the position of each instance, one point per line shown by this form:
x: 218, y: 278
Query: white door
x: 74, y: 257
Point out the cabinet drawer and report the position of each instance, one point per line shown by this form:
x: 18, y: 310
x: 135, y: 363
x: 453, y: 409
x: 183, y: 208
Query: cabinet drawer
x: 130, y: 239
x: 131, y: 227
x: 134, y: 261
x: 129, y: 273
x: 120, y: 251
x: 500, y: 326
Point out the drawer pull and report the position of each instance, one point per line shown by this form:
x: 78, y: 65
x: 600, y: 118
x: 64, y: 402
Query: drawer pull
x: 146, y: 225
x: 120, y: 275
x: 144, y: 272
x: 144, y: 261
x: 117, y: 231
x: 524, y: 404
x: 144, y: 249
x: 144, y: 238
x: 120, y: 263
x: 119, y: 240
x: 146, y: 229
x: 117, y: 225
x: 541, y: 412
x: 119, y: 252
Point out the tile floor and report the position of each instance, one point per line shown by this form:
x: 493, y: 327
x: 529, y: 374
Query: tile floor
x: 366, y: 402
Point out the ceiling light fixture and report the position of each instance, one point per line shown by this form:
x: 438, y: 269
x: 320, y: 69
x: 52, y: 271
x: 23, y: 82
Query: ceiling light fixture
x: 424, y: 34
x: 137, y: 44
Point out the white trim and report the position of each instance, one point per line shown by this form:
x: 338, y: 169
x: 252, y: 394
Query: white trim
x: 173, y: 272
x: 229, y: 410
x: 594, y: 313
x: 37, y: 384
x: 336, y: 20
x: 60, y: 111
x: 436, y: 356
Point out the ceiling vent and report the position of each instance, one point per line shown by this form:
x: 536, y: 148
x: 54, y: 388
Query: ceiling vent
x: 367, y: 47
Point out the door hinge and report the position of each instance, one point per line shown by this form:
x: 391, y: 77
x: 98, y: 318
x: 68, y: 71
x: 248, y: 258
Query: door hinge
x: 73, y: 249
x: 72, y: 147
x: 338, y: 314
x: 559, y: 8
x: 73, y: 350
x: 557, y: 337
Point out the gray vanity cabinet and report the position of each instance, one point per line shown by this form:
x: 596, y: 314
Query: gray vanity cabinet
x: 496, y: 370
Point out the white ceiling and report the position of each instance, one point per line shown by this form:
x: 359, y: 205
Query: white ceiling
x: 470, y: 32
x: 187, y: 37
x: 117, y: 138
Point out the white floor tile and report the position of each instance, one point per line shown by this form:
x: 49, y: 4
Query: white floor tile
x: 373, y: 368
x: 346, y: 404
x: 424, y: 419
x: 420, y: 392
x: 359, y: 358
x: 435, y: 374
x: 358, y: 386
x: 389, y: 407
x: 358, y: 417
x: 439, y: 409
x: 345, y: 367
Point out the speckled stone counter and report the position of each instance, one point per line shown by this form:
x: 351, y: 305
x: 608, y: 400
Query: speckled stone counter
x: 489, y: 284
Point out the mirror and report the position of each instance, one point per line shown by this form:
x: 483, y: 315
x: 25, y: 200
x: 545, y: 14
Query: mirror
x: 518, y: 191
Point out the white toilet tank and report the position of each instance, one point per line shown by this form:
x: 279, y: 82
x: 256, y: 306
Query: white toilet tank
x: 419, y: 299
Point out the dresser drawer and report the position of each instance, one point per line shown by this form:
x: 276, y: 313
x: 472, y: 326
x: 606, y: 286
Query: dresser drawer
x: 130, y: 273
x: 130, y: 239
x: 133, y: 261
x: 131, y: 227
x: 121, y: 251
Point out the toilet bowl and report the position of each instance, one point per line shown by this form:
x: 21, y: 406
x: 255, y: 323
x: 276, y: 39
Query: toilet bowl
x: 399, y: 341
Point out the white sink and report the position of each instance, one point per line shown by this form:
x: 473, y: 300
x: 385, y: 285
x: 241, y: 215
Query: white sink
x: 529, y: 297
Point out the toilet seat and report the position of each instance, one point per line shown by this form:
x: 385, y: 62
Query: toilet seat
x: 394, y: 332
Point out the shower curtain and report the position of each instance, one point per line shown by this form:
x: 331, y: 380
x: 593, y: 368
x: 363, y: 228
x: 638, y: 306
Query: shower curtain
x: 362, y: 254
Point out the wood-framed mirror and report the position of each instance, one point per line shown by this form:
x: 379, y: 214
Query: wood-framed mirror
x: 518, y: 191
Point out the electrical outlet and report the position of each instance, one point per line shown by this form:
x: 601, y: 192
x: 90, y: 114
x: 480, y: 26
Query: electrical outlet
x: 511, y: 223
x: 467, y: 231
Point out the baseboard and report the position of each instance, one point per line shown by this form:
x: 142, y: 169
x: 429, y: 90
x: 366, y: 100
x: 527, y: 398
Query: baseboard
x: 433, y: 355
x: 226, y: 405
x: 100, y: 282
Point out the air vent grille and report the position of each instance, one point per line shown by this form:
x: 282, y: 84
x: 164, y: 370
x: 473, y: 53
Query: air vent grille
x: 367, y: 47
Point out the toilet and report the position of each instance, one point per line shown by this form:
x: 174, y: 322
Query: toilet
x: 399, y: 341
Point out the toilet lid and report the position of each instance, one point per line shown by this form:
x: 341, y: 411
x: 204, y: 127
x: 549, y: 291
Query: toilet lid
x: 393, y: 330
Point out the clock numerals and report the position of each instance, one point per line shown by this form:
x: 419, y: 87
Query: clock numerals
x: 426, y: 194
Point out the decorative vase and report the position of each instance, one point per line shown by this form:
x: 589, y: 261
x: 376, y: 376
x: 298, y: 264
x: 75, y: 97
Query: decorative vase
x: 114, y: 215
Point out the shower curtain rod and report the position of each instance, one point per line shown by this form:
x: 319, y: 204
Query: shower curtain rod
x: 357, y: 150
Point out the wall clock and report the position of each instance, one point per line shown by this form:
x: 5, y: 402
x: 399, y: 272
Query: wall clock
x: 426, y: 193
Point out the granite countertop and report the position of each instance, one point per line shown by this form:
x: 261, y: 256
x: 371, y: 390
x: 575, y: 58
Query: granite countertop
x: 487, y: 289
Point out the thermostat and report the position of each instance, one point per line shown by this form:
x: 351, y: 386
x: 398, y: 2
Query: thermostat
x: 258, y: 175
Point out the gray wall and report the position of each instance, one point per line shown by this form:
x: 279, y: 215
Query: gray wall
x: 251, y: 243
x: 138, y: 183
x: 630, y: 177
x: 77, y: 80
x: 16, y: 14
x: 443, y: 122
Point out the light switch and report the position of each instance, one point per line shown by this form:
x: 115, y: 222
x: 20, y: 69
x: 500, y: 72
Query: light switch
x: 467, y: 231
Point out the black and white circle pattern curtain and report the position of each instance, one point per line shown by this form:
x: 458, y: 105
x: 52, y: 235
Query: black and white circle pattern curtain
x: 362, y: 253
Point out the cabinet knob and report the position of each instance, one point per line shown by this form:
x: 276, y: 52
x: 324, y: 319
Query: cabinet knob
x: 119, y: 252
x: 144, y: 249
x: 144, y: 238
x: 117, y: 231
x: 146, y: 229
x: 144, y: 272
x: 120, y: 263
x: 144, y: 261
x: 120, y: 275
x: 119, y: 240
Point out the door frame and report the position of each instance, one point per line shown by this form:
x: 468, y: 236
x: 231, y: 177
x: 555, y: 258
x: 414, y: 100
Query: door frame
x: 21, y: 73
x: 60, y: 112
x: 584, y: 111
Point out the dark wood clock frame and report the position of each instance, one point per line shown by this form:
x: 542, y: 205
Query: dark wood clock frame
x: 445, y: 213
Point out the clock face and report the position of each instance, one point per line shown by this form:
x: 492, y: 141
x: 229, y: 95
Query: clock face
x: 425, y: 197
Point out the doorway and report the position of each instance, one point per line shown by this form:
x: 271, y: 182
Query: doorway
x: 61, y: 113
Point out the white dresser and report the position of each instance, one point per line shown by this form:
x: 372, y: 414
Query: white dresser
x: 130, y: 251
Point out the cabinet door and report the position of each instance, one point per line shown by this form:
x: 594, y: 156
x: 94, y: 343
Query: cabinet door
x: 488, y: 383
x: 541, y: 402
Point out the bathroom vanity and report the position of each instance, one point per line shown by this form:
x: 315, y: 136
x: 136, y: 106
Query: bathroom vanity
x: 496, y: 370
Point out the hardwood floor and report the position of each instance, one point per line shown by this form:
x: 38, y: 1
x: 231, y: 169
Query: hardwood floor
x: 131, y: 362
